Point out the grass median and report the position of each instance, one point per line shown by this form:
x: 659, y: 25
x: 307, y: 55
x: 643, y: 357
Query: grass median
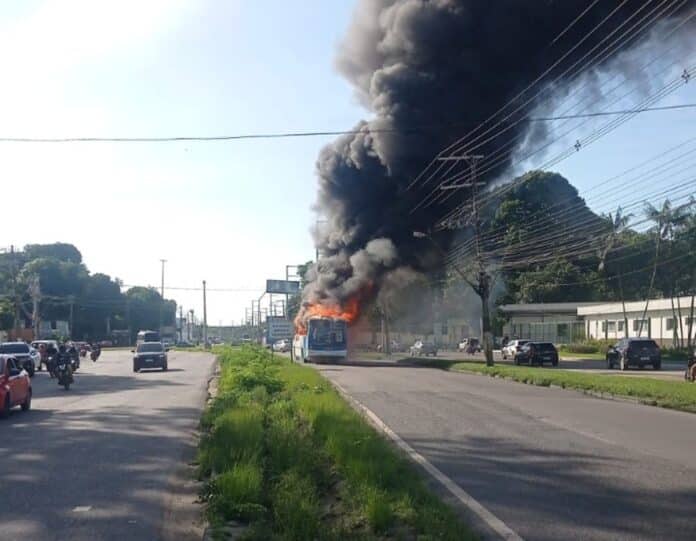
x: 284, y: 453
x: 679, y: 395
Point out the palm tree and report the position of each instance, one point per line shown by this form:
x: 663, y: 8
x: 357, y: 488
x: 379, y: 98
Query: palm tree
x: 618, y: 223
x: 667, y: 222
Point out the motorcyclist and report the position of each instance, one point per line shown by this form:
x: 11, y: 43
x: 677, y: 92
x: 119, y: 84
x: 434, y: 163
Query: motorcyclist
x: 690, y: 373
x: 74, y: 355
x: 63, y: 357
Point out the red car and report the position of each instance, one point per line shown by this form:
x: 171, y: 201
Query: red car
x: 15, y: 386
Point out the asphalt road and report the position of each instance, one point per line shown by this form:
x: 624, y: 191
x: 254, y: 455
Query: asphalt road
x: 98, y: 462
x: 552, y: 464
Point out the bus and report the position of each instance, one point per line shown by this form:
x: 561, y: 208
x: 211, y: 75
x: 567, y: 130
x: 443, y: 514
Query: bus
x: 147, y: 336
x: 326, y: 339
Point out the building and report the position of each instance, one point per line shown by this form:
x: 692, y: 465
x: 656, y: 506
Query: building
x: 664, y: 320
x: 557, y: 322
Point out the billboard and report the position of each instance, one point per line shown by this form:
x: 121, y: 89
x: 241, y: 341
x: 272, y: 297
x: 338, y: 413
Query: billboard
x: 278, y: 328
x: 285, y: 287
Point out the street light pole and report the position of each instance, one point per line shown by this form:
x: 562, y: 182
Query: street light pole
x: 205, y: 319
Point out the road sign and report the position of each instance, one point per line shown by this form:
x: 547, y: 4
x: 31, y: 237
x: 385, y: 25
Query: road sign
x: 278, y: 328
x: 285, y: 287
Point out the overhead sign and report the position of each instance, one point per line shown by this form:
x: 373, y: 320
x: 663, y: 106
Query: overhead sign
x: 285, y: 287
x: 278, y: 328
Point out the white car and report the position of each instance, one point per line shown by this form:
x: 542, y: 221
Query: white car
x: 512, y: 347
x: 27, y: 357
x: 281, y: 346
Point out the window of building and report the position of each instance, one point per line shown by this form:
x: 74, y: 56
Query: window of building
x: 637, y: 324
x: 669, y: 324
x: 687, y: 321
x: 620, y: 325
x: 611, y: 326
x: 604, y: 326
x: 444, y: 328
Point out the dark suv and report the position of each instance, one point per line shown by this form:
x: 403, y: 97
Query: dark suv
x: 537, y: 353
x: 634, y: 352
x: 150, y: 355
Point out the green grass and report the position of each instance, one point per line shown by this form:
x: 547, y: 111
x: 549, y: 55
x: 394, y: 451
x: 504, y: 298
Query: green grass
x: 285, y: 453
x: 679, y: 395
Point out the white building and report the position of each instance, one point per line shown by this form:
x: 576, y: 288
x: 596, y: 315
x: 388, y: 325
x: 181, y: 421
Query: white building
x: 662, y: 320
x: 556, y: 322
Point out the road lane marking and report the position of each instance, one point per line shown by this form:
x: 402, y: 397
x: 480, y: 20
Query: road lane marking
x: 493, y: 522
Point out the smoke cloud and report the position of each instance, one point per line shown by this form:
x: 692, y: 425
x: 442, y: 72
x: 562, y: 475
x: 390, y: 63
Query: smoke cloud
x: 429, y: 71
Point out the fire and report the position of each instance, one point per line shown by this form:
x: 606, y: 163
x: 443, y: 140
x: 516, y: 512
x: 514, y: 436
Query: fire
x: 348, y: 312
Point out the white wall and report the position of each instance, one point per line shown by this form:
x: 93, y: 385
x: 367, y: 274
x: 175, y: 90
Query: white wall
x: 656, y: 330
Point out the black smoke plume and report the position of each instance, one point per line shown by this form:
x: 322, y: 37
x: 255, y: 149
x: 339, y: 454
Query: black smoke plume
x: 429, y: 71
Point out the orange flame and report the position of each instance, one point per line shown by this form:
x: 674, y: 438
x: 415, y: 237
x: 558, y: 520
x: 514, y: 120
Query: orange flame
x: 348, y: 312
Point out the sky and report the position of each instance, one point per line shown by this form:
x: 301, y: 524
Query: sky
x: 231, y: 213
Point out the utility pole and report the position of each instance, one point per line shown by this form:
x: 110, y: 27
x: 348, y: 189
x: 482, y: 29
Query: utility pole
x: 72, y: 313
x: 205, y: 320
x: 35, y: 292
x: 482, y: 284
x: 161, y: 310
x: 190, y: 323
x: 181, y: 323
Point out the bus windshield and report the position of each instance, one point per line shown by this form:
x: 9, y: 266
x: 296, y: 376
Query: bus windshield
x: 327, y: 332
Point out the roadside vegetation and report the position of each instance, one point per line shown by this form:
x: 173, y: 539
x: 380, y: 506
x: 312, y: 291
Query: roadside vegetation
x: 679, y: 395
x: 285, y: 454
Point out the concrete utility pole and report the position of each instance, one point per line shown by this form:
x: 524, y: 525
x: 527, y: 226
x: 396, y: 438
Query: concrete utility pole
x: 163, y: 261
x: 161, y: 310
x: 181, y: 323
x: 72, y: 313
x: 35, y: 292
x: 190, y: 323
x: 205, y: 319
x: 482, y: 284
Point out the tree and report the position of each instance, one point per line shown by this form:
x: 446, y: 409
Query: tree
x: 618, y: 223
x: 58, y: 250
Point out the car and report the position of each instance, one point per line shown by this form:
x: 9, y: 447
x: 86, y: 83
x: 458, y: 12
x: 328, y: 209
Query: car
x: 24, y: 354
x: 512, y: 347
x: 469, y: 345
x: 281, y: 346
x: 106, y: 343
x: 638, y: 352
x: 150, y: 355
x: 184, y: 344
x: 15, y: 385
x: 420, y: 348
x: 537, y: 353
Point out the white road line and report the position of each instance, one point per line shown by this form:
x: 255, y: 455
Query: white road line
x: 493, y: 522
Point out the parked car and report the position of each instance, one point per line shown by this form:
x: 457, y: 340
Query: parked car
x: 469, y: 345
x: 150, y: 355
x: 184, y: 344
x: 537, y: 353
x: 27, y: 357
x: 420, y: 348
x: 634, y: 352
x: 106, y: 343
x: 281, y: 346
x: 15, y: 386
x: 512, y: 347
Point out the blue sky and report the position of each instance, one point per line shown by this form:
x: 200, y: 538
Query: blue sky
x: 233, y: 213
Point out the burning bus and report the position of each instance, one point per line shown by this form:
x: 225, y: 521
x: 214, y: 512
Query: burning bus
x: 321, y: 331
x: 326, y: 338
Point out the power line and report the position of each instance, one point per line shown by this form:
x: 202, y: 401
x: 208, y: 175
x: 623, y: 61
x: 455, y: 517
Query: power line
x: 282, y: 135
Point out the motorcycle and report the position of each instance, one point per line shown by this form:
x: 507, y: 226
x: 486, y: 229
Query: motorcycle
x: 64, y: 373
x: 690, y: 372
x: 74, y: 359
x: 94, y: 355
